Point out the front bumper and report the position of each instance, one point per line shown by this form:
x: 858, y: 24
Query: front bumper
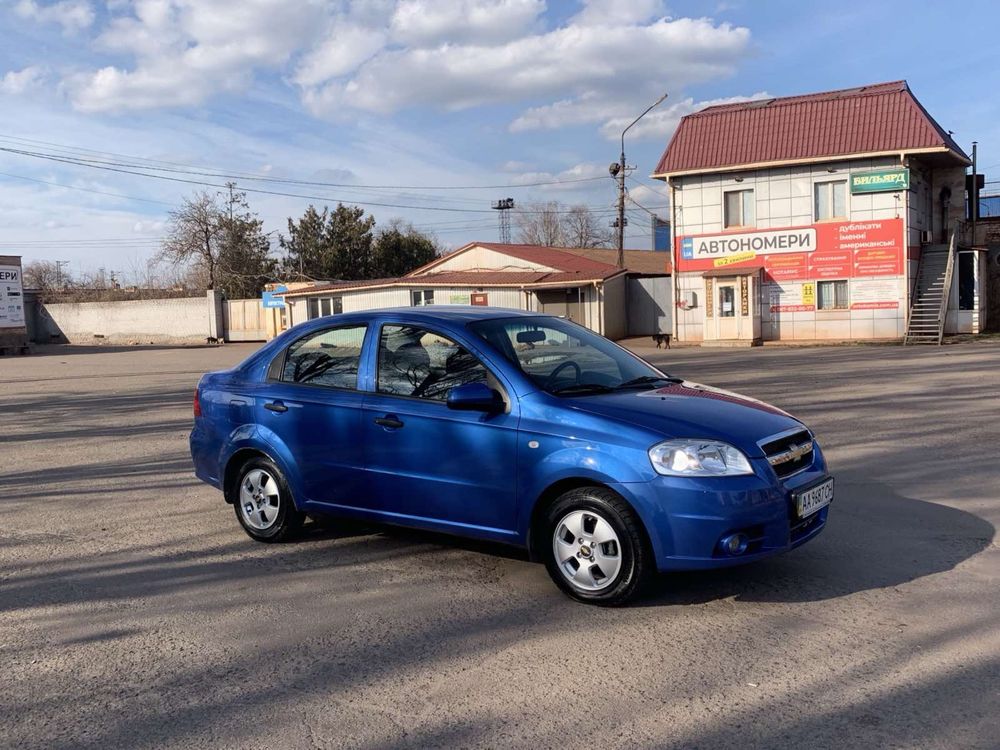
x: 687, y: 518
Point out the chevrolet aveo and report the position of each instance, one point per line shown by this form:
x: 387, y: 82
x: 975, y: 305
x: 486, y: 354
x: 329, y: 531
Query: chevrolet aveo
x: 513, y: 427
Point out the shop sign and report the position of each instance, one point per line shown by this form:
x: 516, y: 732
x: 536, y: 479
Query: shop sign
x: 480, y: 298
x: 808, y: 293
x: 748, y: 244
x: 271, y: 300
x: 11, y: 298
x: 880, y: 181
x: 458, y: 299
x: 874, y: 294
x: 827, y: 250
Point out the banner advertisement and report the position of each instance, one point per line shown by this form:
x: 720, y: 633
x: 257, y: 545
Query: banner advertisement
x: 828, y: 250
x: 11, y: 298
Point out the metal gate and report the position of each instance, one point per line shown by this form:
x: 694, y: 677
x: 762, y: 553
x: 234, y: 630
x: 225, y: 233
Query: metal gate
x: 244, y: 320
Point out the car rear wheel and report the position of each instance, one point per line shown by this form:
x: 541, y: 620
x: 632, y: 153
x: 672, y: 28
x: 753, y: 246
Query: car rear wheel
x: 263, y: 502
x: 596, y: 549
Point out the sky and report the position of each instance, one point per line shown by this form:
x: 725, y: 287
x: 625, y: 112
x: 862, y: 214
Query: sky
x: 426, y: 110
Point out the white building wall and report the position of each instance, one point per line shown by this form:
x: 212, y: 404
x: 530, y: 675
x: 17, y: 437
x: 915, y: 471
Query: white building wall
x: 482, y: 258
x: 783, y: 197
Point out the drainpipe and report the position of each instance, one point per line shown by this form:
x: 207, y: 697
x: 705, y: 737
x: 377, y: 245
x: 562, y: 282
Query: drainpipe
x: 675, y: 311
x: 600, y: 307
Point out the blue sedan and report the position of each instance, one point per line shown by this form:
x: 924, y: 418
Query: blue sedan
x: 513, y: 427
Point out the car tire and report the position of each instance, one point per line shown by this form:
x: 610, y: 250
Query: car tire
x: 595, y: 548
x: 263, y: 502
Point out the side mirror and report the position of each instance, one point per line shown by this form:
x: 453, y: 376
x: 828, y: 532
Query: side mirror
x: 474, y: 397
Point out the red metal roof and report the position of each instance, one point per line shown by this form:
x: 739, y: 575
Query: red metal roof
x: 588, y: 260
x: 880, y: 118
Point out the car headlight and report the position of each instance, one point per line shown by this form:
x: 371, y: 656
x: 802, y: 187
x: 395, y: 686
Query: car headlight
x: 698, y: 458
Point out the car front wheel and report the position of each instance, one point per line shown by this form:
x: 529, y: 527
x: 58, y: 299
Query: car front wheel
x: 596, y: 552
x: 263, y: 502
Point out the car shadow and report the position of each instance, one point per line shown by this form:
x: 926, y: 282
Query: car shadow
x: 874, y: 539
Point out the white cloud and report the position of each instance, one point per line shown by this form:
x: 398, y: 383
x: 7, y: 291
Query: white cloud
x: 17, y: 82
x: 593, y: 72
x: 428, y: 23
x: 73, y: 15
x: 661, y: 123
x: 188, y: 50
x: 618, y: 13
x: 381, y: 56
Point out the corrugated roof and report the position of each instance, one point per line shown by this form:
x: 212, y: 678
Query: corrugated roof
x: 881, y: 118
x: 471, y: 279
x: 568, y: 259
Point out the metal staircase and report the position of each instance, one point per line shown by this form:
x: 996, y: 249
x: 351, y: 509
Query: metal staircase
x: 929, y: 306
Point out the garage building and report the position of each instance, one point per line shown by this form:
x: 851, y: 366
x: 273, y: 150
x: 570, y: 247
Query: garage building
x: 582, y: 284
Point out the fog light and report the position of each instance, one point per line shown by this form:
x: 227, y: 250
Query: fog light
x: 735, y: 544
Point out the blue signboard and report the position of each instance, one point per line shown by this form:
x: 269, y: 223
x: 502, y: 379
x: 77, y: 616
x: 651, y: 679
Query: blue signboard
x: 271, y: 301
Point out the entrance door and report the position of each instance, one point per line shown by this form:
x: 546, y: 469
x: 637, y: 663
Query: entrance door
x: 566, y: 303
x: 726, y: 312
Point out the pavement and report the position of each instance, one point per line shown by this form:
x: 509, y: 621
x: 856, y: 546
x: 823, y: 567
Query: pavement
x: 134, y: 612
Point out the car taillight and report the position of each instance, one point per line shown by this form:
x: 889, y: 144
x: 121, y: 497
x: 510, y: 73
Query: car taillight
x: 197, y: 404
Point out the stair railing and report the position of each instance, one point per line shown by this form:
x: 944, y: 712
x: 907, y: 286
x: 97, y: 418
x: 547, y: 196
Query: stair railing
x: 946, y: 292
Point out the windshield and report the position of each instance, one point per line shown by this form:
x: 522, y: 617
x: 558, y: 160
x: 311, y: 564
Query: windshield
x: 564, y: 358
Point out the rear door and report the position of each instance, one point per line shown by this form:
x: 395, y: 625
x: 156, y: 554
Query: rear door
x: 313, y: 406
x: 424, y: 460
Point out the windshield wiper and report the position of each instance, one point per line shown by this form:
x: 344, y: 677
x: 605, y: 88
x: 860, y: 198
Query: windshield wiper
x: 582, y: 388
x: 647, y: 380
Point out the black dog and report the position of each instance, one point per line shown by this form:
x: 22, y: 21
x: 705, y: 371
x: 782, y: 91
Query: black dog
x: 661, y: 339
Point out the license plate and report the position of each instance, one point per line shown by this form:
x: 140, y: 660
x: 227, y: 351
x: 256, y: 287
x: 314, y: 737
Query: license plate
x: 815, y: 498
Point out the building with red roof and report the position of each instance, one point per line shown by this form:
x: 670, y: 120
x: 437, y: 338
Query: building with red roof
x: 583, y: 284
x: 818, y: 217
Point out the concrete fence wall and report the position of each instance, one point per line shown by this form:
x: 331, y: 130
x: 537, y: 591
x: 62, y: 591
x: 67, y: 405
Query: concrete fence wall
x: 157, y: 321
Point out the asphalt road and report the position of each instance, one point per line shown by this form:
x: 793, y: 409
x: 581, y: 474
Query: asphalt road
x: 135, y: 613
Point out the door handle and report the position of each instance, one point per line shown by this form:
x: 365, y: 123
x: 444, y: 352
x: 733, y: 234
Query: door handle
x: 276, y: 406
x: 389, y: 421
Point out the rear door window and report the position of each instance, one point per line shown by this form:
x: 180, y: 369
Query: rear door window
x: 330, y: 357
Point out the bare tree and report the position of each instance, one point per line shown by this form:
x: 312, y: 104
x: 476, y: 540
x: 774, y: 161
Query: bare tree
x: 581, y: 228
x: 220, y: 241
x: 553, y: 224
x: 44, y: 274
x: 195, y: 235
x: 539, y: 224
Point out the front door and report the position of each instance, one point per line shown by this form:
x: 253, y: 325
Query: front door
x: 424, y: 461
x: 726, y: 315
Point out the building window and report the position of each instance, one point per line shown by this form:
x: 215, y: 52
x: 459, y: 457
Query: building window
x: 421, y: 297
x: 830, y: 200
x: 832, y: 295
x: 319, y: 307
x: 738, y: 208
x: 966, y: 281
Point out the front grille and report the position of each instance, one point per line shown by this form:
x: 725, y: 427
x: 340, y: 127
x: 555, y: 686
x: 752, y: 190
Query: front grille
x: 789, y: 454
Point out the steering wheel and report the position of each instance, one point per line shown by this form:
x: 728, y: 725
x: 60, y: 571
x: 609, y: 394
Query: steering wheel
x: 559, y: 368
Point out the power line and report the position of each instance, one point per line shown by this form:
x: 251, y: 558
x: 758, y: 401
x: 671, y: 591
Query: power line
x: 85, y: 190
x: 202, y: 183
x: 131, y: 162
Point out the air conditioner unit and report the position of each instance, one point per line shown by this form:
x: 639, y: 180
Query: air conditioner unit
x: 690, y: 299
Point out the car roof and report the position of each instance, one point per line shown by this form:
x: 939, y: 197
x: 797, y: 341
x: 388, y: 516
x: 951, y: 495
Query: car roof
x: 457, y: 313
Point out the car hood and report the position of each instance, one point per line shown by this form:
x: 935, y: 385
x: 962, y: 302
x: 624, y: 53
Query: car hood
x: 692, y: 410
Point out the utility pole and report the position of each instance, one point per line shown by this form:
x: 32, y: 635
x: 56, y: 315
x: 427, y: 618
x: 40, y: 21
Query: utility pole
x: 974, y: 194
x: 59, y: 267
x: 618, y: 170
x: 503, y: 207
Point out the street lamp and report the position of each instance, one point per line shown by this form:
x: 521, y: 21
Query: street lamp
x: 617, y: 170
